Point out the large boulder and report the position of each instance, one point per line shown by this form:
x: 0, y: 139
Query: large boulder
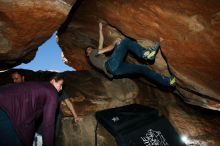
x: 90, y: 91
x: 25, y: 25
x: 188, y: 31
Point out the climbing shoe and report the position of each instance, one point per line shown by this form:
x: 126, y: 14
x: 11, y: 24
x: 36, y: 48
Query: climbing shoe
x: 150, y: 53
x: 172, y: 81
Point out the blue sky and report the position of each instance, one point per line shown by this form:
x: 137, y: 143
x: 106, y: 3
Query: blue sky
x: 48, y: 57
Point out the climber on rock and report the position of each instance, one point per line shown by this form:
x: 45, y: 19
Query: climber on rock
x: 115, y: 66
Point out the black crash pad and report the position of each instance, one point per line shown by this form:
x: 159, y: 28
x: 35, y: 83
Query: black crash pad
x: 138, y: 125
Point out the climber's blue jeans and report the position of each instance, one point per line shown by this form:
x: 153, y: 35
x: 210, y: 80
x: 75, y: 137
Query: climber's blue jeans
x: 116, y: 65
x: 8, y: 135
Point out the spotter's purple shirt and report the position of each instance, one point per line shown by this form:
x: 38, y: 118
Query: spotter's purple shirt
x: 25, y: 103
